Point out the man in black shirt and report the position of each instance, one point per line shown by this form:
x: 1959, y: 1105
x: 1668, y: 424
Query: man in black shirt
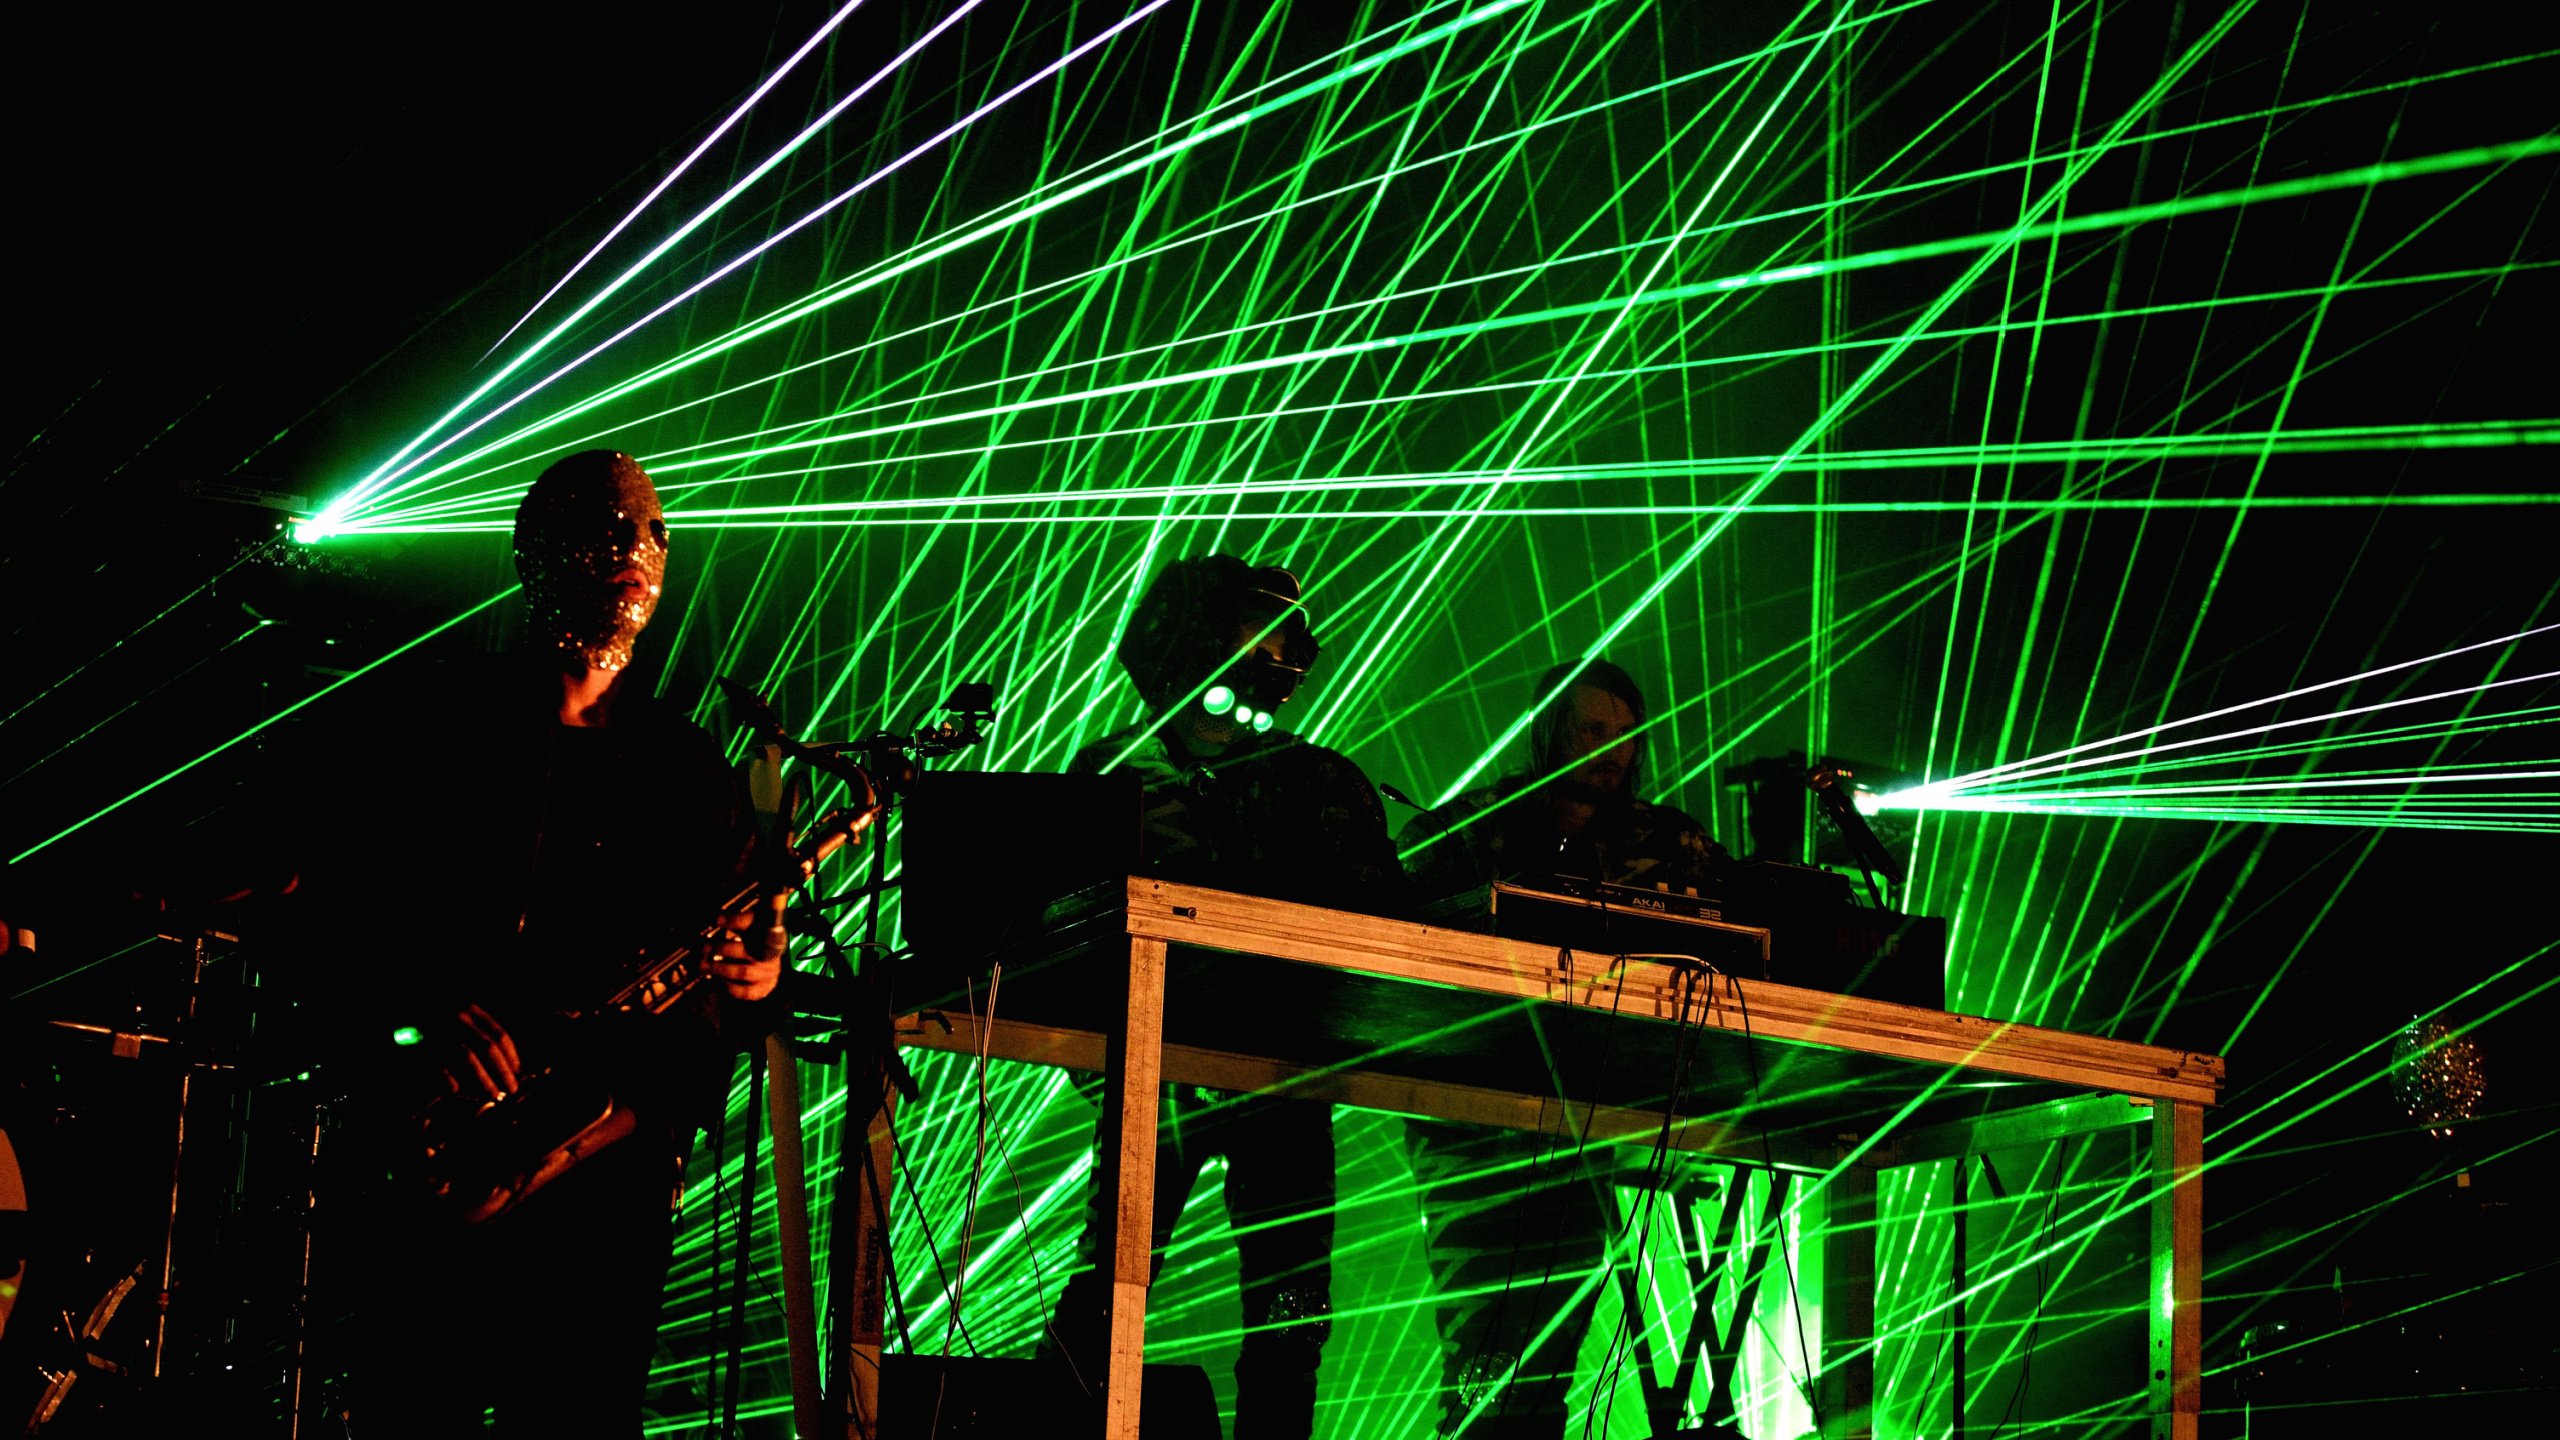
x: 1215, y: 647
x: 1574, y: 811
x: 1519, y: 1223
x: 536, y: 826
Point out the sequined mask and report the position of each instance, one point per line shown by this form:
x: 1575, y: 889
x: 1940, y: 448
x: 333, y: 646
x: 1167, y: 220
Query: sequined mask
x: 591, y: 547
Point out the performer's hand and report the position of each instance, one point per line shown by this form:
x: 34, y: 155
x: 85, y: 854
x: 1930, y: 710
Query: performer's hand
x: 749, y: 962
x: 484, y: 1057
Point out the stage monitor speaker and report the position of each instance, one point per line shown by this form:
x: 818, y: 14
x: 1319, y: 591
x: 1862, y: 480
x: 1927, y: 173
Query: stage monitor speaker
x: 956, y: 1397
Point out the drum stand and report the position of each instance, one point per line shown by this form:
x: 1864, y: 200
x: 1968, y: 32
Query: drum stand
x: 298, y: 1386
x: 196, y: 948
x: 89, y: 1348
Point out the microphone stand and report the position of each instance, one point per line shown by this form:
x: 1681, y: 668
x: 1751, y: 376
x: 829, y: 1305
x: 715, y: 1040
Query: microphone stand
x: 860, y: 1210
x: 1830, y: 787
x: 867, y: 1066
x: 872, y: 1071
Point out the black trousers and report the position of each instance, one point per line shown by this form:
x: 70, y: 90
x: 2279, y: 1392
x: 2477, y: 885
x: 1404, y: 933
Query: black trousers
x: 1279, y: 1195
x: 1515, y: 1227
x: 546, y: 1316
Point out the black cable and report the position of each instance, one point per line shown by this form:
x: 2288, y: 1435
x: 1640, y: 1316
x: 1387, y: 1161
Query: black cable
x: 880, y: 1206
x: 2015, y: 1409
x: 1598, y: 899
x: 889, y: 1261
x: 1605, y: 1383
x: 978, y: 1157
x: 1685, y: 1038
x: 840, y: 968
x: 746, y: 1242
x: 1039, y: 1281
x: 719, y: 1211
x: 719, y: 1155
x: 1539, y: 1164
x: 915, y: 1197
x: 1491, y: 1329
x: 1540, y: 1159
x: 1795, y: 1298
x: 1486, y: 1333
x: 977, y: 1172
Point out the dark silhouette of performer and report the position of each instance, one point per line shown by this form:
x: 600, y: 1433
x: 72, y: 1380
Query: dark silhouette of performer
x: 1214, y: 647
x: 1574, y: 811
x: 537, y: 824
x: 1518, y: 1224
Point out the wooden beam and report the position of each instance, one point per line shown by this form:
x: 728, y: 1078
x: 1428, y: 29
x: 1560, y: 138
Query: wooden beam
x: 1132, y: 1072
x: 791, y: 1224
x: 1400, y: 949
x: 2061, y: 1119
x: 857, y: 1377
x: 1706, y: 1136
x: 2176, y: 1300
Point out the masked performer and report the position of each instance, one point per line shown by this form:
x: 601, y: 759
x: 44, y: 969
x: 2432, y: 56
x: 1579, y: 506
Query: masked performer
x: 540, y: 825
x: 1215, y: 647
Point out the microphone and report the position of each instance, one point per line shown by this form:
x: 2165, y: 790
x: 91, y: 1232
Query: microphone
x: 1829, y: 784
x: 758, y: 715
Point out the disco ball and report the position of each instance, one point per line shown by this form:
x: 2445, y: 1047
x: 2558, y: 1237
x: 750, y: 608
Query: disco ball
x: 2437, y: 1077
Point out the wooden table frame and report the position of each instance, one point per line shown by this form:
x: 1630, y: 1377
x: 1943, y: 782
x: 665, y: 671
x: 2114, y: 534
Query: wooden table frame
x: 2123, y: 1083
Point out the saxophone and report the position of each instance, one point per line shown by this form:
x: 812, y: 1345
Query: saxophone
x: 479, y: 1157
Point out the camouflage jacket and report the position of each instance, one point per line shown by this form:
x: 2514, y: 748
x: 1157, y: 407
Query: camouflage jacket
x: 1507, y: 832
x: 1272, y: 815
